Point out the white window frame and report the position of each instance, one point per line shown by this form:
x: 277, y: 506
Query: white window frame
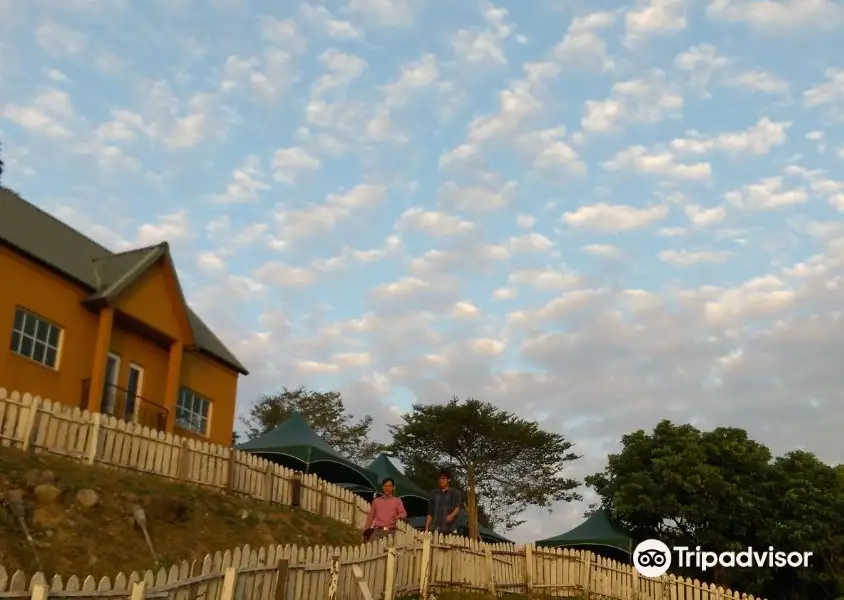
x: 194, y: 415
x: 139, y: 392
x: 41, y: 324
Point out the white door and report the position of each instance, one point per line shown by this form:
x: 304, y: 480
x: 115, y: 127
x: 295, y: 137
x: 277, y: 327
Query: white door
x: 134, y: 386
x: 112, y: 372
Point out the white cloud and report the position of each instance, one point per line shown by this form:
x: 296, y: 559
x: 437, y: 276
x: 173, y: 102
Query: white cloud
x: 759, y: 81
x: 652, y: 18
x: 289, y: 164
x: 433, y: 223
x: 614, y: 217
x: 321, y: 18
x: 773, y: 16
x: 246, y: 183
x: 761, y: 138
x: 686, y: 258
x: 480, y: 46
x: 664, y: 164
x: 60, y: 40
x: 648, y: 100
x: 768, y: 193
x: 582, y: 46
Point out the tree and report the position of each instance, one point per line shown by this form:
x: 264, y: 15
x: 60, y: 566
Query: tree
x: 326, y: 415
x: 506, y: 462
x: 684, y: 485
x: 722, y: 491
x: 424, y: 473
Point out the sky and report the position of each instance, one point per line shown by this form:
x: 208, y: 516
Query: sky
x: 593, y: 214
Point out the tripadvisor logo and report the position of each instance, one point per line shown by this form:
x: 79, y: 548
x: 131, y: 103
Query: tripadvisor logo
x: 653, y: 558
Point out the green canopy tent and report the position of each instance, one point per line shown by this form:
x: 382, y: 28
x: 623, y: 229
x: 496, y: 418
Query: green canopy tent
x: 296, y: 446
x: 413, y: 497
x: 487, y: 534
x: 598, y: 532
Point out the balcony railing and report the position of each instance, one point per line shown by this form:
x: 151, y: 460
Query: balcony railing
x: 130, y: 407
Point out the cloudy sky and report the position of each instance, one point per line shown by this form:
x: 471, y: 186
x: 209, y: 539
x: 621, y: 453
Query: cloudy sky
x: 590, y: 213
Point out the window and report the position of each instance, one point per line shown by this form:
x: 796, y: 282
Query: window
x: 35, y: 338
x: 192, y: 412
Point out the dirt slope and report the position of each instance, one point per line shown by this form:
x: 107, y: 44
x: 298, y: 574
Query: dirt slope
x: 80, y: 518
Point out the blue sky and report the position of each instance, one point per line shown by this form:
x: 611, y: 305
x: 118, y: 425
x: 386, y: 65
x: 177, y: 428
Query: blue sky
x: 593, y: 214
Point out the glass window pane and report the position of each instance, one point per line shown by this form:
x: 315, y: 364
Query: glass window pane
x: 16, y: 342
x: 50, y: 357
x: 53, y: 337
x: 26, y: 346
x: 204, y: 405
x: 41, y: 331
x: 19, y: 319
x: 29, y: 325
x: 203, y: 425
x: 38, y: 351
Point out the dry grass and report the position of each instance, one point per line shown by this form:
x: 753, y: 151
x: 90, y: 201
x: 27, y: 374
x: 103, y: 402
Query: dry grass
x: 185, y: 522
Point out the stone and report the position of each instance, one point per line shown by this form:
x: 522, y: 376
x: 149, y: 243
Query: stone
x: 45, y: 517
x: 46, y: 493
x: 244, y: 514
x: 87, y: 498
x: 14, y: 496
x: 163, y: 508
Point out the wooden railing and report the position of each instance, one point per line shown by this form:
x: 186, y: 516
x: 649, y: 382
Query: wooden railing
x: 127, y: 406
x: 406, y: 566
x: 30, y: 423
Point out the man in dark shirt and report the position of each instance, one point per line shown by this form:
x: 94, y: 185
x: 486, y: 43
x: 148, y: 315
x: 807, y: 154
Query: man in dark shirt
x: 443, y: 506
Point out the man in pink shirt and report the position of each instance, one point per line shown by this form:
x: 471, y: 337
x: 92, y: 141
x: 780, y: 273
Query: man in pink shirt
x: 384, y: 512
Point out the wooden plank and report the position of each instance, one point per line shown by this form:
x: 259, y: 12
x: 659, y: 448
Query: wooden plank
x: 282, y: 571
x: 229, y: 580
x: 361, y: 582
x: 390, y: 575
x: 424, y: 568
x: 490, y: 571
x: 334, y: 577
x: 138, y: 590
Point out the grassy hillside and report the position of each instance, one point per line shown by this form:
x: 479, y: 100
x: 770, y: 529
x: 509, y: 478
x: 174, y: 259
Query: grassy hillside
x: 80, y: 518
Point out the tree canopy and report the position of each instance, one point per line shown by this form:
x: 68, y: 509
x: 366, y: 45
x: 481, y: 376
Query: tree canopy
x: 324, y: 412
x: 492, y: 451
x: 723, y: 491
x: 425, y: 473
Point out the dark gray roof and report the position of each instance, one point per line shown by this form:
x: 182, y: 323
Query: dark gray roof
x: 104, y: 273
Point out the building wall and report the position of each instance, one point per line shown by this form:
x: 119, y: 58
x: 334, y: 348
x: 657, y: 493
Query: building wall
x: 217, y: 383
x: 152, y: 300
x: 36, y: 289
x: 151, y: 357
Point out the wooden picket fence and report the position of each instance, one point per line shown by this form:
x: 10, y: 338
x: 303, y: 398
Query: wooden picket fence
x: 414, y: 563
x: 377, y: 570
x: 30, y: 423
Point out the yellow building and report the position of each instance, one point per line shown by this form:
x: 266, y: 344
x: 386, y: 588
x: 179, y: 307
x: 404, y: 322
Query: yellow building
x: 109, y: 332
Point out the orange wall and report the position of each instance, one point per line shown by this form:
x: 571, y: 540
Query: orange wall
x: 39, y: 291
x: 218, y: 384
x: 28, y: 285
x: 152, y: 358
x: 149, y: 301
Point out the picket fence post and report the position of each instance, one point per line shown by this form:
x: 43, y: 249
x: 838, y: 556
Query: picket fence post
x: 334, y: 577
x: 390, y: 575
x: 490, y: 571
x: 424, y: 566
x: 229, y: 580
x: 138, y: 590
x: 587, y: 573
x: 32, y: 417
x: 529, y: 568
x: 38, y: 592
x: 94, y: 439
